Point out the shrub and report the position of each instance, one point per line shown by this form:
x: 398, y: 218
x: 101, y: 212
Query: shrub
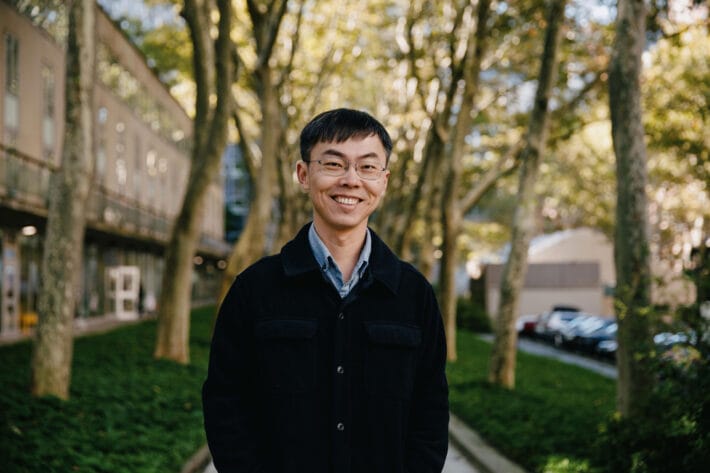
x: 546, y: 423
x: 472, y: 316
x: 128, y: 413
x: 672, y: 433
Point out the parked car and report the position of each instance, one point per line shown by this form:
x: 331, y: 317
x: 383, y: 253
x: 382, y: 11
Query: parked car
x: 525, y: 325
x: 582, y: 325
x: 551, y: 323
x: 677, y: 347
x: 600, y: 341
x: 666, y: 340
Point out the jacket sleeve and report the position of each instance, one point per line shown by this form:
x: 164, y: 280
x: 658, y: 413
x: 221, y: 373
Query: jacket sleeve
x: 427, y: 436
x: 228, y: 395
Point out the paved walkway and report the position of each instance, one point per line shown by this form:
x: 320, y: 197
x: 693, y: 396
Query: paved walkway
x: 544, y: 349
x: 539, y: 348
x: 82, y: 327
x: 455, y: 463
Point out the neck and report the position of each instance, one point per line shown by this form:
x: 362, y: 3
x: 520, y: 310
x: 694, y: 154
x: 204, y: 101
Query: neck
x: 344, y: 247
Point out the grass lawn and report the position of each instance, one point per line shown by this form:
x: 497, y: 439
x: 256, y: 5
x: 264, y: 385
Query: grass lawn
x: 131, y: 413
x: 548, y: 423
x: 127, y: 412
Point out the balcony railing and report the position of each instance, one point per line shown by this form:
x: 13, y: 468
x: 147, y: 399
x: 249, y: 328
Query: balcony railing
x: 24, y: 179
x: 24, y: 182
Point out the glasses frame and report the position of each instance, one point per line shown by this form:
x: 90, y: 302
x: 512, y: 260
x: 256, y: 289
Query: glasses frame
x: 346, y: 168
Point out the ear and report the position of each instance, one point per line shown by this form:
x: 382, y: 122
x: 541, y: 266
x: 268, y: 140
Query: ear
x: 387, y: 180
x: 302, y: 175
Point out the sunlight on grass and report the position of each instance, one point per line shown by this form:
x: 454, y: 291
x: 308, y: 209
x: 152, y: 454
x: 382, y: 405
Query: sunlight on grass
x: 546, y: 422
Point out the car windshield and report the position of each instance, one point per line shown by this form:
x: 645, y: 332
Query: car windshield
x: 567, y: 316
x: 609, y: 329
x: 590, y: 324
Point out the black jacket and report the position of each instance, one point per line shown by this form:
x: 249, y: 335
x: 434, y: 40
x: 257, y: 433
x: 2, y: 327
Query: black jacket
x: 302, y: 381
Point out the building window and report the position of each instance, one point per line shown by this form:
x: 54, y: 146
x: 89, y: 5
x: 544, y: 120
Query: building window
x: 137, y: 168
x: 121, y: 168
x: 12, y: 87
x: 101, y: 119
x: 48, y: 110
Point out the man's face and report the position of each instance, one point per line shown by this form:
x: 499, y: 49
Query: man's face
x: 344, y: 203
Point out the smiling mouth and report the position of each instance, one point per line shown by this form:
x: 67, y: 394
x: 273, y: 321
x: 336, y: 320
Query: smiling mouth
x: 346, y: 200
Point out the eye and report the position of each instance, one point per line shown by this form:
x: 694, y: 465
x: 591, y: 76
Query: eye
x: 332, y: 164
x: 368, y: 167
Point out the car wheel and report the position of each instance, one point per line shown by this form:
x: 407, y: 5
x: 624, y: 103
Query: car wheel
x: 557, y: 340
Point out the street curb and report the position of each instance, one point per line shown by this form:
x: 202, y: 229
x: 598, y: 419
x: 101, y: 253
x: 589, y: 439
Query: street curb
x: 198, y: 461
x: 477, y: 451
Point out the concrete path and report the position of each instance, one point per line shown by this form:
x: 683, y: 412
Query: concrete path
x: 455, y: 463
x: 544, y: 349
x: 539, y: 348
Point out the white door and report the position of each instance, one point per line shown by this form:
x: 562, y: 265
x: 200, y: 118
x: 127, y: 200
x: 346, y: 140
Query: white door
x: 122, y: 291
x: 10, y: 287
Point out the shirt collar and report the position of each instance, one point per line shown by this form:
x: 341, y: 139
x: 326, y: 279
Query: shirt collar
x: 297, y: 259
x: 325, y: 259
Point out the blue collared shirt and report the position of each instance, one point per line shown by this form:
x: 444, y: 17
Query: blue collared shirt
x: 329, y: 266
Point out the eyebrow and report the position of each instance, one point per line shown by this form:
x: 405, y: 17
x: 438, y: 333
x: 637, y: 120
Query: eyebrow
x: 335, y: 152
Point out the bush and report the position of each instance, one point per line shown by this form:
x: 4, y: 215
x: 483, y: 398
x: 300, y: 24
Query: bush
x: 672, y: 433
x: 127, y: 413
x: 546, y: 423
x: 472, y: 316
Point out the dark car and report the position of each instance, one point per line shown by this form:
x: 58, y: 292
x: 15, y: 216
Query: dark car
x: 551, y: 323
x: 582, y: 325
x: 600, y: 341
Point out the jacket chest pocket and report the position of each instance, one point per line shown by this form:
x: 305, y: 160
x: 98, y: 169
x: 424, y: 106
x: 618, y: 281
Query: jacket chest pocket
x: 287, y: 354
x: 391, y: 357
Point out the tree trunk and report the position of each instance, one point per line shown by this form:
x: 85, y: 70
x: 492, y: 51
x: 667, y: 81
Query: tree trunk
x: 211, y: 122
x: 451, y: 228
x: 451, y: 213
x: 631, y: 241
x: 289, y: 202
x: 252, y: 243
x: 502, y: 363
x: 406, y: 216
x: 66, y: 221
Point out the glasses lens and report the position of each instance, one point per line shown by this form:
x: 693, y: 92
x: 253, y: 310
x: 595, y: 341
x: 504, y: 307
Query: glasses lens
x: 333, y: 166
x: 369, y: 170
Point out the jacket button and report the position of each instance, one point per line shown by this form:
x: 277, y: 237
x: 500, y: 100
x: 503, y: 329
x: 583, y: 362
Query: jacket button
x: 340, y: 369
x: 341, y: 316
x: 340, y: 426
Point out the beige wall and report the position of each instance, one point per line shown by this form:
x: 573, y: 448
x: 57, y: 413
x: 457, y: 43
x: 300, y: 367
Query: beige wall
x: 35, y: 49
x: 537, y: 301
x: 583, y: 245
x: 579, y: 245
x: 141, y: 166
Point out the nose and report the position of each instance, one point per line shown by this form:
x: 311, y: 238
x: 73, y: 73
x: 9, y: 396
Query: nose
x: 350, y: 177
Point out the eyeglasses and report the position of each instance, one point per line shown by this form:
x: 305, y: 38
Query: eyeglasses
x: 335, y: 166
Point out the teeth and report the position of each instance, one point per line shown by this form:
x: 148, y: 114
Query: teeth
x: 346, y: 200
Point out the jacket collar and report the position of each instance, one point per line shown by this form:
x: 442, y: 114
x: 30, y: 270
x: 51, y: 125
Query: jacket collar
x: 297, y: 258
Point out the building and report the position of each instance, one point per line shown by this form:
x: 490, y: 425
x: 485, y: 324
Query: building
x: 576, y: 267
x: 571, y: 267
x: 142, y: 139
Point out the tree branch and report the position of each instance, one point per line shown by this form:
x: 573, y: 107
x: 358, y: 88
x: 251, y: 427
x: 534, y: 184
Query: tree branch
x: 294, y: 47
x: 505, y: 165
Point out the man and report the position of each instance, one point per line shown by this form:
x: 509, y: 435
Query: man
x: 329, y: 357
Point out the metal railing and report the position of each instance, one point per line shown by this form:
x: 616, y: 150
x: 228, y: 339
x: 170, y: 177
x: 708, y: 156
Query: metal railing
x: 24, y: 181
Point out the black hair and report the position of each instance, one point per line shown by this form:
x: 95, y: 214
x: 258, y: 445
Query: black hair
x: 339, y: 125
